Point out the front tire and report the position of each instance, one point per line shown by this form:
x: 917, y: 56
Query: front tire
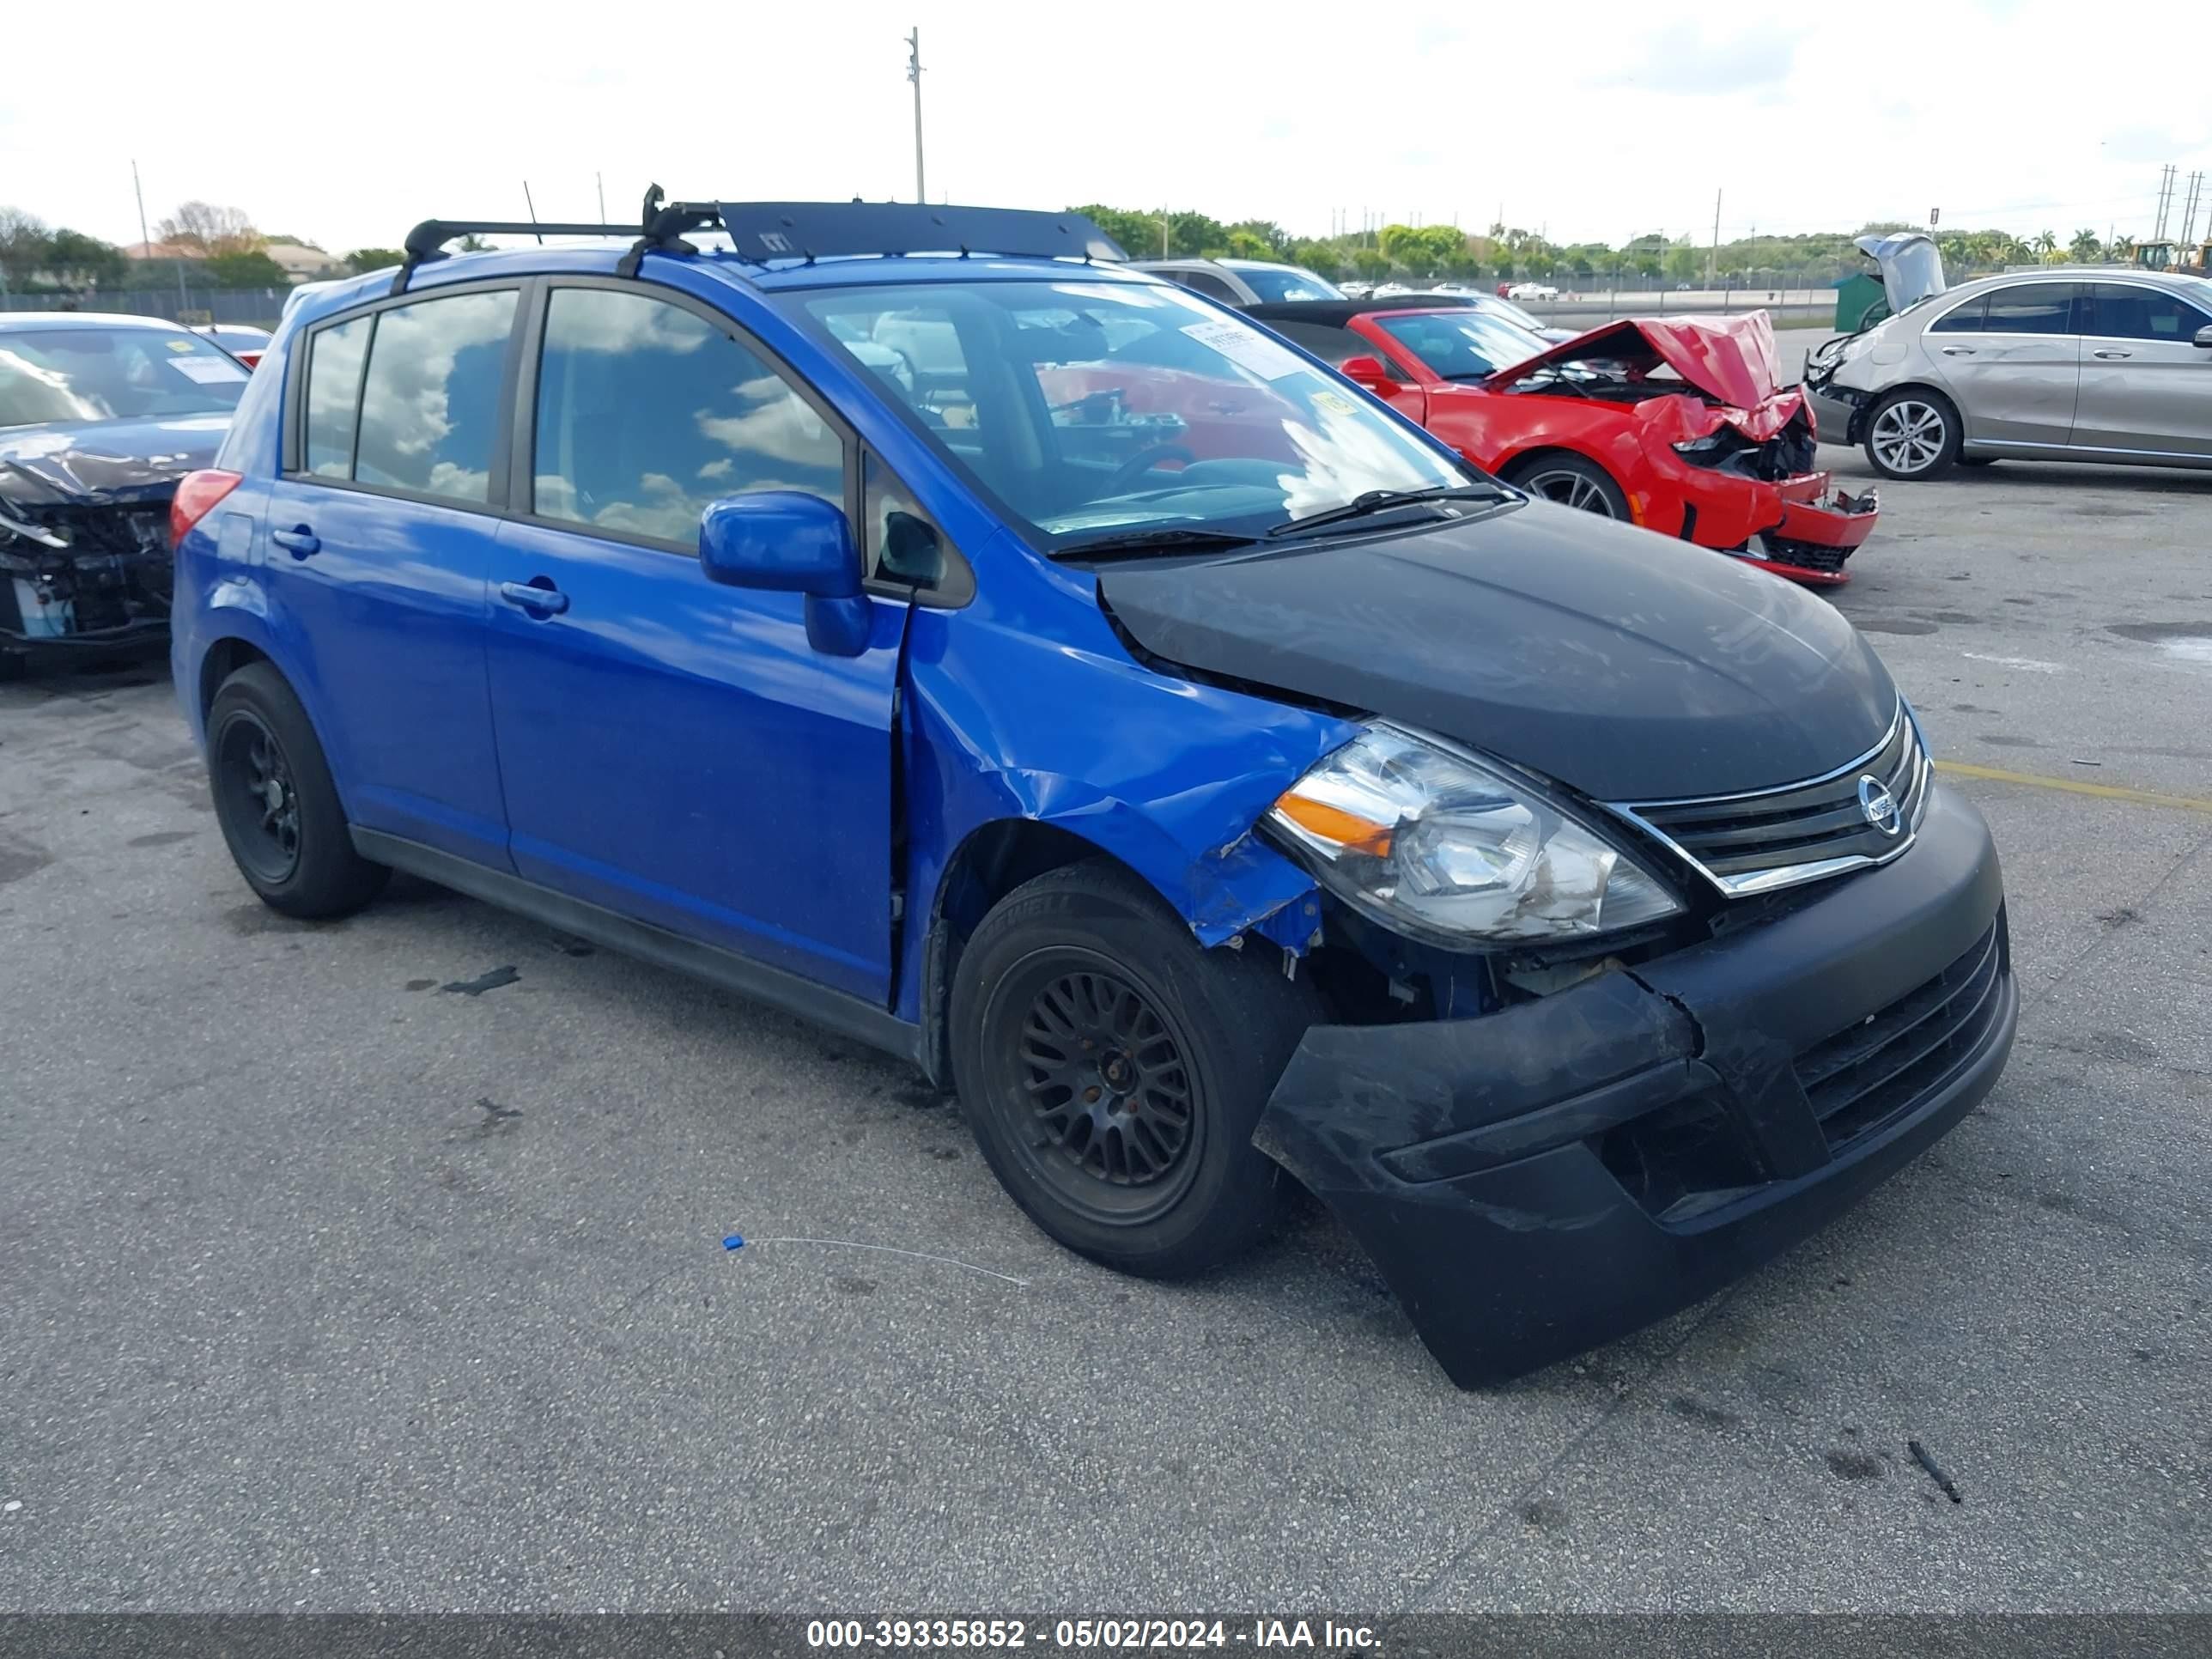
x: 1112, y: 1070
x: 276, y: 805
x: 1912, y: 435
x: 1570, y: 481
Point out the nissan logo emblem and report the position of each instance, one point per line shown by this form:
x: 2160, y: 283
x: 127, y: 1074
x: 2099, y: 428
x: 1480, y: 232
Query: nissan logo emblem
x: 1879, y: 805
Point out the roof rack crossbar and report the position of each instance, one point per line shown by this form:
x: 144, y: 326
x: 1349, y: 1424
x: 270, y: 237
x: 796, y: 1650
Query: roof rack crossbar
x: 662, y: 227
x: 762, y: 230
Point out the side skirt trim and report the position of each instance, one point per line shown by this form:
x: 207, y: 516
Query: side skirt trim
x: 848, y: 1016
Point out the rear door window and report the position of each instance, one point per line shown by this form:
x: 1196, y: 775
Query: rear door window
x: 646, y: 412
x: 2121, y: 311
x: 2031, y: 309
x: 429, y: 400
x: 1961, y: 319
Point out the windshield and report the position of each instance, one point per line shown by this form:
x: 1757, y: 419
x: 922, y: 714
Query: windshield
x: 1274, y: 282
x: 1460, y: 345
x: 1513, y: 313
x: 1087, y: 405
x: 111, y: 375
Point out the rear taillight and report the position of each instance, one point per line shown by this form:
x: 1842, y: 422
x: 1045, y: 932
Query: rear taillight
x: 251, y: 359
x: 197, y: 492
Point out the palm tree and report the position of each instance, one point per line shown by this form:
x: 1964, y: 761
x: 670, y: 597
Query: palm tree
x: 2045, y: 246
x: 2085, y: 247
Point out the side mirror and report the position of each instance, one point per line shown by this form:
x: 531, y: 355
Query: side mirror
x: 1365, y: 370
x: 2204, y: 338
x: 784, y: 541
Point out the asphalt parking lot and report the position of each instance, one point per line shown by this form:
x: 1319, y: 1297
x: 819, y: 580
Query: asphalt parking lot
x: 330, y: 1284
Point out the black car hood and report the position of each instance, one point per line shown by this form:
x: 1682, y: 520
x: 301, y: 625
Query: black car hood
x: 97, y: 463
x: 1623, y: 663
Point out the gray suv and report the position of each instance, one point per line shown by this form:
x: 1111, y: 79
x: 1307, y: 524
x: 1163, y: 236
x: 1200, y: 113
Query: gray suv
x: 2063, y: 365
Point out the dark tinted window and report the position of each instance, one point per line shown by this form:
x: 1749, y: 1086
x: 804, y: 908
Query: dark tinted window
x: 1202, y: 281
x: 429, y: 403
x: 1290, y: 282
x: 646, y: 412
x: 334, y: 396
x: 2033, y: 308
x: 2120, y: 311
x: 1960, y: 319
x: 1331, y: 345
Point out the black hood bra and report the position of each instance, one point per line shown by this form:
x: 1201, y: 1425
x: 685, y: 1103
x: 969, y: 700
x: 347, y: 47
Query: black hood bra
x: 1626, y: 666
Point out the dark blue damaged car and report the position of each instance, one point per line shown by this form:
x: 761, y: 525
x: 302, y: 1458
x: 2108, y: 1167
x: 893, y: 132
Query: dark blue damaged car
x: 100, y: 418
x: 915, y: 619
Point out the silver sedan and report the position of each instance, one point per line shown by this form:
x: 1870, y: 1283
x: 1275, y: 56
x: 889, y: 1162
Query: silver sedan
x: 2090, y: 364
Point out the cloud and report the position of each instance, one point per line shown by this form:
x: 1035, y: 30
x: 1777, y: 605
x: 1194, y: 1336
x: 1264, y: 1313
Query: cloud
x: 1683, y: 60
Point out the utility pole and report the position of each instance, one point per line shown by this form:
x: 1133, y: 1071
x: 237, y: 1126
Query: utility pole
x: 1713, y: 259
x: 146, y: 242
x: 599, y: 182
x: 913, y: 74
x: 2164, y: 201
x: 2188, y: 212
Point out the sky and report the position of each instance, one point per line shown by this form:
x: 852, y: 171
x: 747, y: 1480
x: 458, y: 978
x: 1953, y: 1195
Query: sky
x: 1603, y: 122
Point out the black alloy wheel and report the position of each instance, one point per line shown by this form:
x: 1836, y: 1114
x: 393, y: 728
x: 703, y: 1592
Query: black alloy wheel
x: 258, y: 802
x: 1101, y: 1068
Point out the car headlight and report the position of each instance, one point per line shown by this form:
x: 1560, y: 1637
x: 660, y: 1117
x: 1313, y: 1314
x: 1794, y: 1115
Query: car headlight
x: 1432, y: 843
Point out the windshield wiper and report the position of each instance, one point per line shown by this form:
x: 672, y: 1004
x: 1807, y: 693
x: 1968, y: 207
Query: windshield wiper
x: 1378, y: 501
x: 1167, y: 538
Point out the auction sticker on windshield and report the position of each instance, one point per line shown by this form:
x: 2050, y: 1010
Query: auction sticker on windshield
x: 208, y: 371
x: 1247, y: 347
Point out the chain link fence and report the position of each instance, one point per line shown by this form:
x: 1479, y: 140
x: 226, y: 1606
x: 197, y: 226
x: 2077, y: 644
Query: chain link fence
x: 258, y: 307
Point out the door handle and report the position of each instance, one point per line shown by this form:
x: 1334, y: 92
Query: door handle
x: 298, y: 541
x: 1958, y: 352
x: 2111, y: 354
x: 537, y: 596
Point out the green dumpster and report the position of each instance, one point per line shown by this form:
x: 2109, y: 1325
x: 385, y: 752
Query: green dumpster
x: 1855, y: 297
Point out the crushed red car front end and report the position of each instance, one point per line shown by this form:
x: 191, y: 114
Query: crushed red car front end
x: 1727, y: 453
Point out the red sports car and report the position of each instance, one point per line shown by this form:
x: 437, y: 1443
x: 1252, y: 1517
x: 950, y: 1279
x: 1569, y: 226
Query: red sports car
x: 1677, y: 424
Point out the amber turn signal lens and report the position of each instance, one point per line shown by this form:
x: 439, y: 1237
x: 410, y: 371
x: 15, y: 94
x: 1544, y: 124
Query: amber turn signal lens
x: 1332, y: 824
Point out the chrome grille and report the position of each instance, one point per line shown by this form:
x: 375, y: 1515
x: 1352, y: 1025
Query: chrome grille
x: 1754, y: 843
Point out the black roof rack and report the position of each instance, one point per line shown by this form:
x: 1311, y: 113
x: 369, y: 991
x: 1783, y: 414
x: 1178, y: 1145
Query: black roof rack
x: 762, y: 231
x: 662, y: 225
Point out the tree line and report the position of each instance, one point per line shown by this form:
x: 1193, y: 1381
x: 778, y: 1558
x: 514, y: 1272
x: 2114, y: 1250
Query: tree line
x: 35, y: 256
x: 1432, y: 252
x: 227, y: 250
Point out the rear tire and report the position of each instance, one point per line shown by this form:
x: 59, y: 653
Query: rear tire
x: 1570, y: 481
x: 1912, y: 435
x: 276, y: 805
x: 1112, y: 1070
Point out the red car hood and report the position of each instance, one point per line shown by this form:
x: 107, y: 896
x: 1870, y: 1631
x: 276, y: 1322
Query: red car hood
x: 1729, y: 358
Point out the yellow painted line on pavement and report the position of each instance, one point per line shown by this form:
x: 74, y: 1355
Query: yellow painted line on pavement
x: 2075, y: 786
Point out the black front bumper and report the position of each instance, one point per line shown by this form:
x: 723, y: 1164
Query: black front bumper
x: 1536, y: 1182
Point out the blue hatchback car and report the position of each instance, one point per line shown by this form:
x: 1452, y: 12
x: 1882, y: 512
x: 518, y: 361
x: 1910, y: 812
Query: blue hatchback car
x: 913, y: 618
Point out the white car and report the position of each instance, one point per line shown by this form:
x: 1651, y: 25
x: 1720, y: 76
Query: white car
x: 1532, y: 291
